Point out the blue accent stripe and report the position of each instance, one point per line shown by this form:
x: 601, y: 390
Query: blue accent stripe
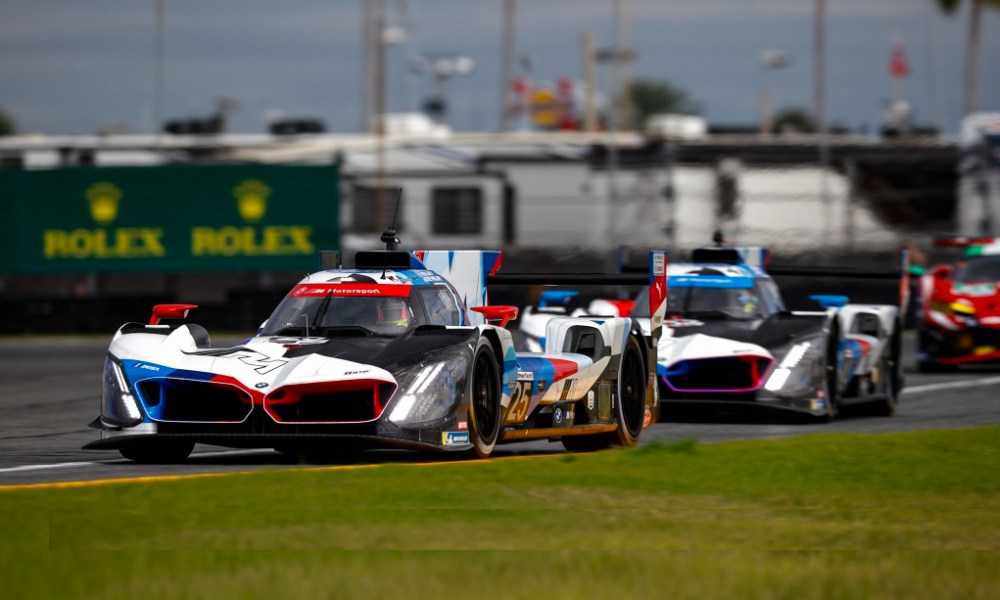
x: 710, y: 281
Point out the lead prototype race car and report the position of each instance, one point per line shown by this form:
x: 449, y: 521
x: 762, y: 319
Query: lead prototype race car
x: 730, y: 344
x: 383, y: 355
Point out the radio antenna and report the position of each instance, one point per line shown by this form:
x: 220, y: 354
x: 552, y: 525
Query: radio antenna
x: 389, y: 237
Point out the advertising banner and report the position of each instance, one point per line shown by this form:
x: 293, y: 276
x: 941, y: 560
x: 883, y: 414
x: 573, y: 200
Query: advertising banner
x: 170, y: 218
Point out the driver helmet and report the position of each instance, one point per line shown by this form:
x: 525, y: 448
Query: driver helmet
x: 393, y: 311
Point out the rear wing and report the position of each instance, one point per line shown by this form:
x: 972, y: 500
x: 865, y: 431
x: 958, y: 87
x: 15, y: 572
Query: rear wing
x: 974, y: 246
x: 655, y: 277
x: 896, y: 292
x: 466, y: 270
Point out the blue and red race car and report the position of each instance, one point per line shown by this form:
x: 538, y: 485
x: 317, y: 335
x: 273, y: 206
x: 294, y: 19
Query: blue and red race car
x: 403, y: 350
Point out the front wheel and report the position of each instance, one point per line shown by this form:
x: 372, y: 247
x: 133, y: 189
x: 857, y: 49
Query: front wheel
x: 484, y: 401
x: 891, y: 378
x: 158, y: 452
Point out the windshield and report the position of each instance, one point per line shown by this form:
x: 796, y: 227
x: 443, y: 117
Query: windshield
x: 986, y: 268
x: 706, y: 303
x: 329, y: 315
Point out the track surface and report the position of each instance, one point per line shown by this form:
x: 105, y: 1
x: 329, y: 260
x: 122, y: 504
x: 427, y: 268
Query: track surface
x: 50, y: 390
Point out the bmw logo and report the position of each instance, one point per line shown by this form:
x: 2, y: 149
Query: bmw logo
x: 261, y: 385
x: 557, y: 416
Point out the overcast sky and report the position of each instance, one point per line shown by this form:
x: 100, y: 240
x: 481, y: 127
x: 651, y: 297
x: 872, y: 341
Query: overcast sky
x: 69, y: 67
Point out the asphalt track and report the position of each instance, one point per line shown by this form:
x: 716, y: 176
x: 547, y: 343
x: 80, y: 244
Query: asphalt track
x: 50, y: 390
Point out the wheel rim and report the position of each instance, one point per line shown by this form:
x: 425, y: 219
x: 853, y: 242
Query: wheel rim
x: 631, y: 390
x: 484, y: 400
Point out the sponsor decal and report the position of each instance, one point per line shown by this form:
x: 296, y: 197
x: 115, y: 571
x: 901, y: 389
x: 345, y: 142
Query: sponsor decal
x: 647, y: 418
x: 104, y: 199
x: 261, y: 363
x: 357, y: 372
x: 541, y: 385
x: 590, y: 400
x: 351, y: 289
x: 525, y: 376
x: 251, y: 199
x: 451, y: 438
x: 557, y: 416
x: 817, y: 404
x: 462, y: 425
x: 140, y: 365
x: 658, y: 263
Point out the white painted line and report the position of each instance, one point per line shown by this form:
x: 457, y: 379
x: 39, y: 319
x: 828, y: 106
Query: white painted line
x: 43, y: 467
x: 951, y: 385
x: 220, y: 453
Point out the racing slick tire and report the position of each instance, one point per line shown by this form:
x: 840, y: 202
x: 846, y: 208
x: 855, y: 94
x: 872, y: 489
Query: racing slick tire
x: 891, y: 377
x: 161, y: 452
x: 484, y: 401
x: 831, y: 380
x: 630, y: 407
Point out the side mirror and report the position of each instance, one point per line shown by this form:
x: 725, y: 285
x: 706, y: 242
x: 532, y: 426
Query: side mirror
x: 942, y: 272
x: 504, y: 314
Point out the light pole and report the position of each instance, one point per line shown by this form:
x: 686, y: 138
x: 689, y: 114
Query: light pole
x: 770, y: 60
x: 442, y: 67
x: 158, y: 19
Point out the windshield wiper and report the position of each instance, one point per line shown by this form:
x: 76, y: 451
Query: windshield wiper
x: 321, y: 311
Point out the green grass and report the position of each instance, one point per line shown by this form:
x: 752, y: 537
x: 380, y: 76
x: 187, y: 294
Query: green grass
x: 913, y: 515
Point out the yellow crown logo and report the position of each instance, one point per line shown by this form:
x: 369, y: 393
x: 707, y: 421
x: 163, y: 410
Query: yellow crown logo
x: 251, y: 199
x: 104, y: 197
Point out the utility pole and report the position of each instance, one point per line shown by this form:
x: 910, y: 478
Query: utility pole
x: 819, y: 38
x: 158, y: 70
x: 381, y: 214
x: 369, y: 37
x: 612, y: 136
x: 972, y: 58
x: 589, y: 121
x: 507, y: 72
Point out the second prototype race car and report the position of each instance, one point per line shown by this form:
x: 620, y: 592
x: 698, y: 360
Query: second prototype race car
x: 959, y: 318
x: 729, y: 341
x: 384, y: 354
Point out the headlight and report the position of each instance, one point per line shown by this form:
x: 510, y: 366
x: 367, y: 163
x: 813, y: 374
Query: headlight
x: 961, y: 308
x: 795, y: 369
x: 429, y: 391
x: 118, y: 406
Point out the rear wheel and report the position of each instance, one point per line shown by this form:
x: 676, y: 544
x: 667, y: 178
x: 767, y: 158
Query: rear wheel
x: 891, y: 377
x: 160, y: 452
x: 484, y: 401
x: 630, y: 406
x: 831, y: 377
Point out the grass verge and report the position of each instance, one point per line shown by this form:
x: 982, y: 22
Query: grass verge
x: 913, y: 515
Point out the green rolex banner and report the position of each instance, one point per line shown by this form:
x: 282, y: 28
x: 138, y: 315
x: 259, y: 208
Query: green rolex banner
x: 170, y: 218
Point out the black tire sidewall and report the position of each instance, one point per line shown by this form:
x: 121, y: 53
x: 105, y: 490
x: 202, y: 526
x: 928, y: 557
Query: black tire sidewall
x: 483, y: 442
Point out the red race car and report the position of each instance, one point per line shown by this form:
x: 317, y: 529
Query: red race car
x: 959, y: 319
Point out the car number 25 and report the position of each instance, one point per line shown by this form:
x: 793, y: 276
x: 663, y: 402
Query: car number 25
x: 520, y: 402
